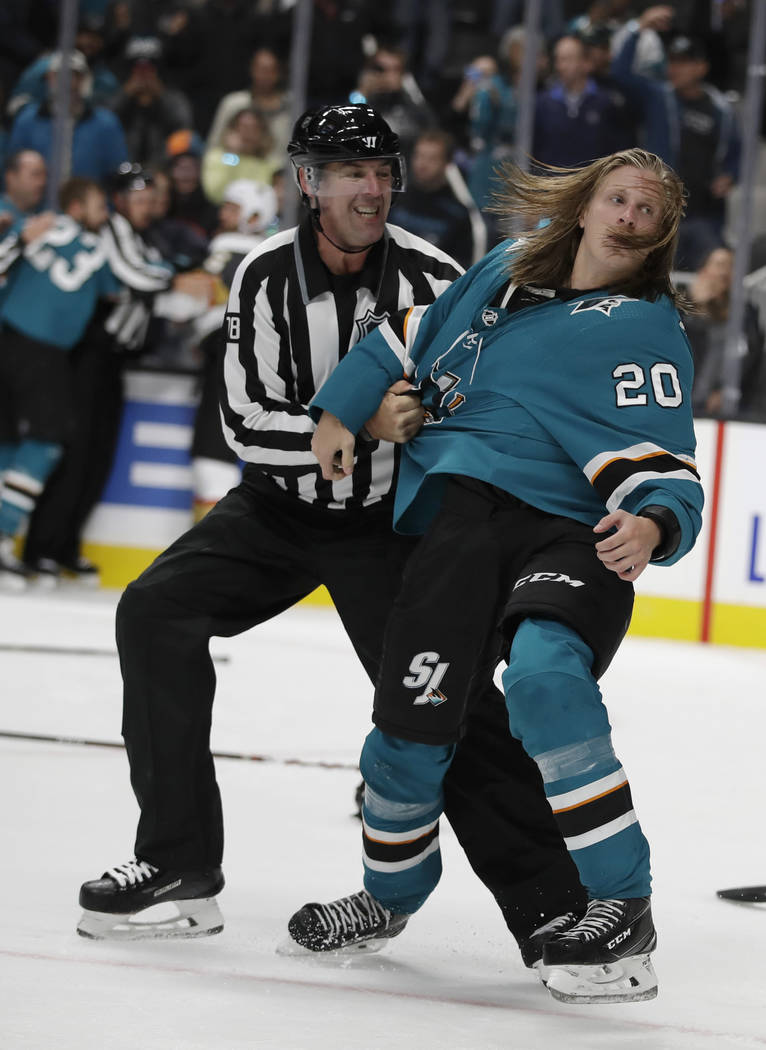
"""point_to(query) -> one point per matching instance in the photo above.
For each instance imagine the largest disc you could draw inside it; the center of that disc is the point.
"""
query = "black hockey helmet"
(349, 132)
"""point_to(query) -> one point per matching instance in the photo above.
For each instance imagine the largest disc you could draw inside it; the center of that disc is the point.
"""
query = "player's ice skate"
(353, 923)
(13, 575)
(137, 901)
(532, 948)
(605, 957)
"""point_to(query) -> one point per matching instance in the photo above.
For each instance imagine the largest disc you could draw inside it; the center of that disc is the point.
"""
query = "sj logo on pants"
(426, 672)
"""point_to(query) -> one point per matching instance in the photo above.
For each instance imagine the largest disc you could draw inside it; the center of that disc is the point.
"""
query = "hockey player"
(52, 550)
(59, 277)
(556, 461)
(298, 303)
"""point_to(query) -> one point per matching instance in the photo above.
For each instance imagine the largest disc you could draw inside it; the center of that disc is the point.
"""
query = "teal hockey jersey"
(578, 407)
(56, 283)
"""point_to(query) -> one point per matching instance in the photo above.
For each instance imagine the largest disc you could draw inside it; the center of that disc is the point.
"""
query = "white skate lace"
(599, 918)
(359, 912)
(561, 922)
(133, 873)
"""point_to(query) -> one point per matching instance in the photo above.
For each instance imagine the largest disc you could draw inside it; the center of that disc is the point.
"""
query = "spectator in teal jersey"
(25, 179)
(61, 274)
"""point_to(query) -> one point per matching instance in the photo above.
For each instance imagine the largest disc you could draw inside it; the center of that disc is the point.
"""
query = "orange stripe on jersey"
(404, 326)
(631, 459)
(587, 801)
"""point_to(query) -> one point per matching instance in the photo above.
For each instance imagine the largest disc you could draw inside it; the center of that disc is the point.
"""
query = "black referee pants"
(257, 553)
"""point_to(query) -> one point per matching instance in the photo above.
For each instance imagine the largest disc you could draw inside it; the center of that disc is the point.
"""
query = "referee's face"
(355, 198)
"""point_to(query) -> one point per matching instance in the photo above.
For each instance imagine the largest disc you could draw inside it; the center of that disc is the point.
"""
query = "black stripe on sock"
(595, 814)
(389, 852)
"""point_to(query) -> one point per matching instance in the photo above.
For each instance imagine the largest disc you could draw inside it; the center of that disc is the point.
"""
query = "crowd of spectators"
(190, 100)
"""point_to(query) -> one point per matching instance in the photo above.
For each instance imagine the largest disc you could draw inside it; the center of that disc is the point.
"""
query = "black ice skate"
(112, 903)
(532, 947)
(604, 958)
(355, 922)
(81, 570)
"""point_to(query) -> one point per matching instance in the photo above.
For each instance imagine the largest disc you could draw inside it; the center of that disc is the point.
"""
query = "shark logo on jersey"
(367, 323)
(604, 305)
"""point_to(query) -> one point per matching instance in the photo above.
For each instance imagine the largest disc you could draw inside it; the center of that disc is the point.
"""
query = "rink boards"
(716, 593)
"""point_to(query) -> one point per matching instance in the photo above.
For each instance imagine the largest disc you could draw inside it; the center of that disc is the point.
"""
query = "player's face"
(355, 198)
(94, 211)
(26, 184)
(629, 200)
(228, 217)
(139, 207)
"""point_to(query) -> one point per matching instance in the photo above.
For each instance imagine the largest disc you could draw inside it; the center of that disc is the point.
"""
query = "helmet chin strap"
(347, 251)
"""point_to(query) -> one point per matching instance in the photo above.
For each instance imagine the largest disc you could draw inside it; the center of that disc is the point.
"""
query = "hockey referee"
(298, 303)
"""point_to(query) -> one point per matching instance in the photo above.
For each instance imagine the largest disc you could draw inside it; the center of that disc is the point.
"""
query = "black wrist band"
(669, 528)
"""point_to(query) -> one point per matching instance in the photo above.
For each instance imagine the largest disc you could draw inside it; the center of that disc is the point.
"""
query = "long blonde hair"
(545, 256)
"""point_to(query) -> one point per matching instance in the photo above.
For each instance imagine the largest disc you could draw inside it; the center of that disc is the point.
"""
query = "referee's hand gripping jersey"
(299, 302)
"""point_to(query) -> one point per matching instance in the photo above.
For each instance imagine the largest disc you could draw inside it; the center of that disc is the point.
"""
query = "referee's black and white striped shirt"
(288, 323)
(143, 273)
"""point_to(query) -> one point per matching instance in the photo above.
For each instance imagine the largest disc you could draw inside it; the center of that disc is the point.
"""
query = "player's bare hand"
(627, 551)
(659, 17)
(399, 416)
(333, 445)
(36, 226)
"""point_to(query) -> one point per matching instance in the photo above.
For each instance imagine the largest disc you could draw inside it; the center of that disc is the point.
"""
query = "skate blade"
(195, 918)
(44, 583)
(88, 582)
(12, 583)
(290, 947)
(630, 980)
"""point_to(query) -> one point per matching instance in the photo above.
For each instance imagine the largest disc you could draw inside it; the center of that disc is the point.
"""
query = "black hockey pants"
(254, 555)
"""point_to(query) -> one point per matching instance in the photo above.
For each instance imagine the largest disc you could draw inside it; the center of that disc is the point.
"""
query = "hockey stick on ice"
(241, 756)
(748, 894)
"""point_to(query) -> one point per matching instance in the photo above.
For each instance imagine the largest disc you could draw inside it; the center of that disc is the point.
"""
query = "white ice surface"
(689, 724)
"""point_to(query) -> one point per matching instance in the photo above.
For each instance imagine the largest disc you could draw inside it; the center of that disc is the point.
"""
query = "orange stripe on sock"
(399, 842)
(603, 794)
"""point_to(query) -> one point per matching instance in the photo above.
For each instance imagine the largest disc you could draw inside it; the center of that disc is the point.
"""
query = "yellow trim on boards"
(653, 617)
(666, 618)
(739, 625)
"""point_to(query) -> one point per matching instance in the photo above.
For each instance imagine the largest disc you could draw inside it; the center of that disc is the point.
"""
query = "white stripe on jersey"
(635, 452)
(631, 483)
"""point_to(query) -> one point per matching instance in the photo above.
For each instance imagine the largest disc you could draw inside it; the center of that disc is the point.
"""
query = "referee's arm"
(262, 421)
